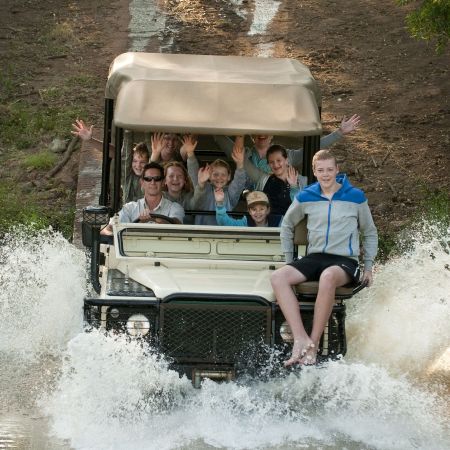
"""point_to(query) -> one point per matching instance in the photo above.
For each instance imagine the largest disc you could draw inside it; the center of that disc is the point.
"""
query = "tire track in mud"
(157, 27)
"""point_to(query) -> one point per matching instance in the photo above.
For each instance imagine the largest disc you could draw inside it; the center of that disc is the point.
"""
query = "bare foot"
(299, 351)
(309, 357)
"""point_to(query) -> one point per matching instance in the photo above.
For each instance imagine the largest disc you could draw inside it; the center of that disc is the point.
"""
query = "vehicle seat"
(308, 290)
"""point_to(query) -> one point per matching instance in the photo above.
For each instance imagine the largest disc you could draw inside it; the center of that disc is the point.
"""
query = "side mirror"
(94, 217)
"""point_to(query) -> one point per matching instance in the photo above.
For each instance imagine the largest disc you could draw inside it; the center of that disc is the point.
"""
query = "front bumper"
(222, 333)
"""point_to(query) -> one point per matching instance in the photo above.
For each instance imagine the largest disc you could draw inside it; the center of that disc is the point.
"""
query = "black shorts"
(312, 266)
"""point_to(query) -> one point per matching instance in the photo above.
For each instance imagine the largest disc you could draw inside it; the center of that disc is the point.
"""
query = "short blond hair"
(220, 163)
(323, 155)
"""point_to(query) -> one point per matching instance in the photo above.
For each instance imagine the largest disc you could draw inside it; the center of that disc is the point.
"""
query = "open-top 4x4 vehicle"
(202, 294)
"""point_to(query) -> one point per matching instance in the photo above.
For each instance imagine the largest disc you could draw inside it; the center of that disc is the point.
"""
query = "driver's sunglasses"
(149, 179)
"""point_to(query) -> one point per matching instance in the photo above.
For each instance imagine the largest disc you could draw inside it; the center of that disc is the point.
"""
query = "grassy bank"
(43, 90)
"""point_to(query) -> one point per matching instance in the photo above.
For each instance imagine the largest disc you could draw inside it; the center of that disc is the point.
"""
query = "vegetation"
(30, 211)
(42, 160)
(34, 110)
(430, 21)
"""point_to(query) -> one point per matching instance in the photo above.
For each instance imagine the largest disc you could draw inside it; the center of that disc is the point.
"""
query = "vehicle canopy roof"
(225, 95)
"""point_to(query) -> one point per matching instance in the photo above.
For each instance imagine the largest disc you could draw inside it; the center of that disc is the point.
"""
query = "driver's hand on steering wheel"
(145, 216)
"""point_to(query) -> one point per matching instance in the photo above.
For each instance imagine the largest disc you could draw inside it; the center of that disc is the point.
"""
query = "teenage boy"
(337, 212)
(258, 211)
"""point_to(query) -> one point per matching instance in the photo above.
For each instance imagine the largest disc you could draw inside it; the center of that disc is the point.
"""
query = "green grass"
(41, 161)
(23, 126)
(38, 103)
(33, 211)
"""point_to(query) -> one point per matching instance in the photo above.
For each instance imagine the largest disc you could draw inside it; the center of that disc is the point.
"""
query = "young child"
(177, 184)
(282, 184)
(258, 211)
(337, 212)
(215, 176)
(131, 182)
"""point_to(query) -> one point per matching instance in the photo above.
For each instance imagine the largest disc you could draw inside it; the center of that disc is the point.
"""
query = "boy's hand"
(350, 125)
(292, 175)
(238, 152)
(157, 141)
(219, 196)
(367, 277)
(81, 130)
(203, 175)
(188, 145)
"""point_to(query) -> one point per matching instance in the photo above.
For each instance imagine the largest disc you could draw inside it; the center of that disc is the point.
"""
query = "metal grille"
(212, 333)
(95, 215)
(333, 341)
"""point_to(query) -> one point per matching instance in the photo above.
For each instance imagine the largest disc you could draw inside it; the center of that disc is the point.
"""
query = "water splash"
(402, 322)
(113, 394)
(106, 392)
(43, 284)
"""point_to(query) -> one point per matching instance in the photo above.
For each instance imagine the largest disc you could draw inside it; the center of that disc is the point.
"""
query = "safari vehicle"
(201, 294)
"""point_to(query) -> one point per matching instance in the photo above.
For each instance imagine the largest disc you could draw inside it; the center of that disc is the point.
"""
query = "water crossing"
(94, 391)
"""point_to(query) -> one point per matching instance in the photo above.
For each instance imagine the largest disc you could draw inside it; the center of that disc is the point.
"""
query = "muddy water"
(63, 388)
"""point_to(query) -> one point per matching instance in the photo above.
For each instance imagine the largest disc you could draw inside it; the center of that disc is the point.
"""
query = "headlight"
(286, 333)
(138, 325)
(114, 313)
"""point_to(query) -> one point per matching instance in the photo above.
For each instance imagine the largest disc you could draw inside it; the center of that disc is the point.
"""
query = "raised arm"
(157, 146)
(193, 167)
(347, 126)
(200, 188)
(292, 179)
(81, 130)
(237, 185)
(188, 145)
(221, 213)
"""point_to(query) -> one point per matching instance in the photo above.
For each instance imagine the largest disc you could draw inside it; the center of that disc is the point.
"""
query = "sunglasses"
(156, 179)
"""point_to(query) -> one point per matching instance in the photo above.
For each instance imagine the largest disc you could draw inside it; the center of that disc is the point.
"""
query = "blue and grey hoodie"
(333, 225)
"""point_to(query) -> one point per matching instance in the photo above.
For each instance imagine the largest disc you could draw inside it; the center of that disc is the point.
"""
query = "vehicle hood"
(233, 280)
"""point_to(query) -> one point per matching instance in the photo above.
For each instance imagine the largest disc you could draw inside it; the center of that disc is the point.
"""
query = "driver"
(152, 179)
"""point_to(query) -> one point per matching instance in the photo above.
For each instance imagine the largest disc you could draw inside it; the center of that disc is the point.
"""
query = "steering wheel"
(166, 219)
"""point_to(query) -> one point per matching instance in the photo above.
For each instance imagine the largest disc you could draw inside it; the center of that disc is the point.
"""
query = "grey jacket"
(333, 225)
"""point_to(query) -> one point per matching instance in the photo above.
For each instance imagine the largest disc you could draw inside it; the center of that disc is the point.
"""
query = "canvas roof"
(203, 94)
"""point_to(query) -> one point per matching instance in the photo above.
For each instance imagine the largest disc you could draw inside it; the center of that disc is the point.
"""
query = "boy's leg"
(330, 279)
(282, 281)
